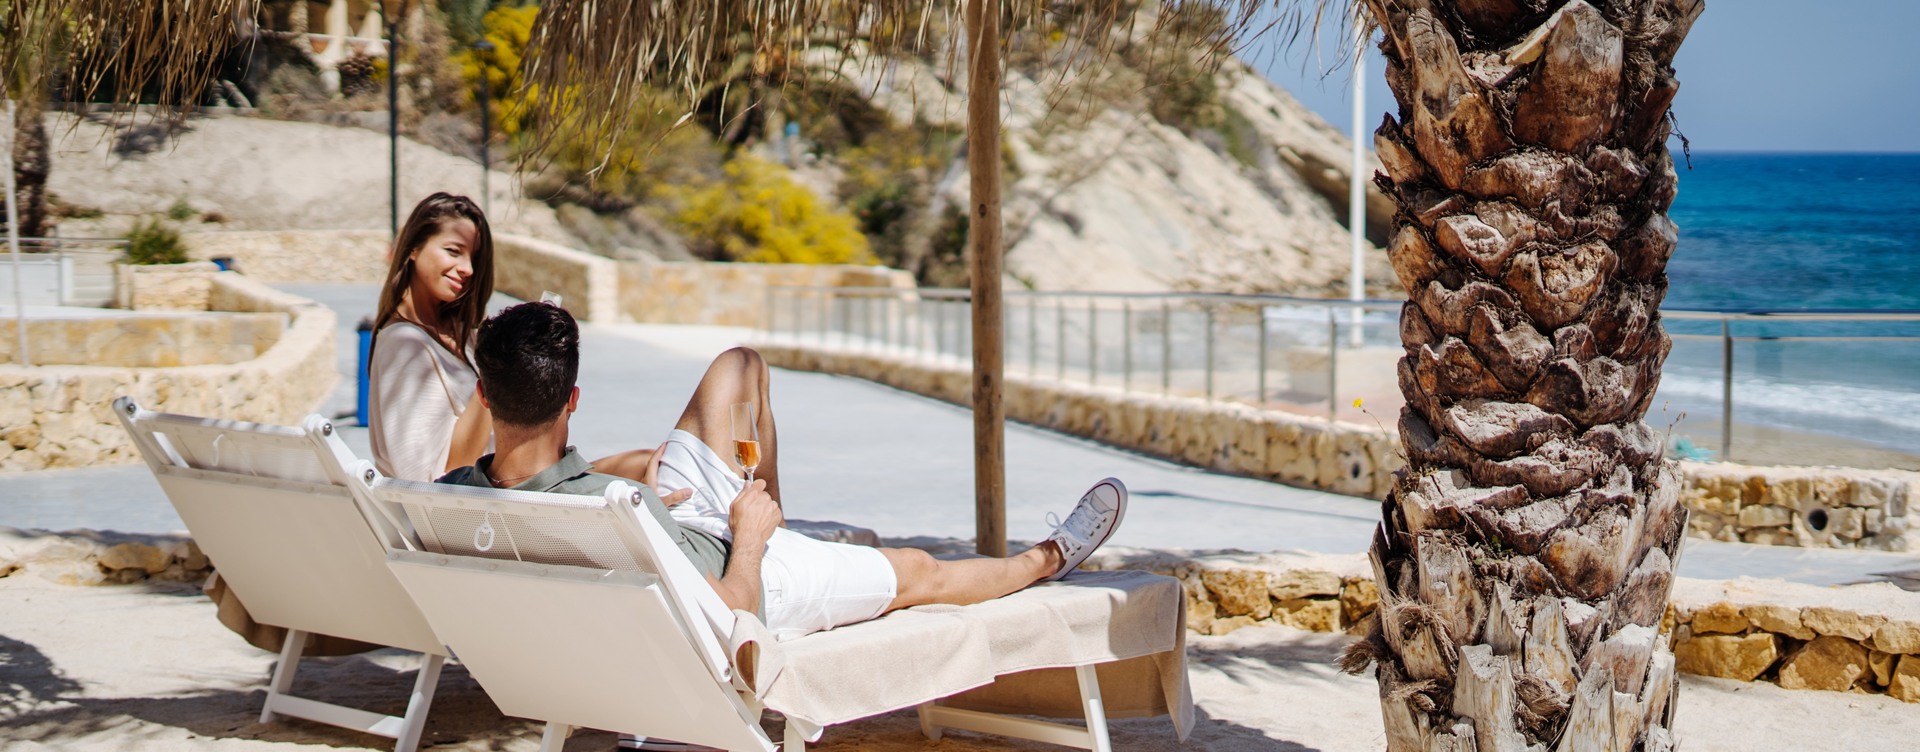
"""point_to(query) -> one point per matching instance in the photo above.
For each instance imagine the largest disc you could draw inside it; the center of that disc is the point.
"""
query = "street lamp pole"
(393, 127)
(485, 49)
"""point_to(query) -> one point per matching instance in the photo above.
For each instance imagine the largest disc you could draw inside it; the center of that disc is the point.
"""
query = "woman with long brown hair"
(423, 420)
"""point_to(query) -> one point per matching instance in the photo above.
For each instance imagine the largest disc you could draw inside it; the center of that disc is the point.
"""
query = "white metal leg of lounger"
(935, 717)
(555, 737)
(405, 730)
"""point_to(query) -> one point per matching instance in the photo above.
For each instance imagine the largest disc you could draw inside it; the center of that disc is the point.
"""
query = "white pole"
(1357, 191)
(13, 243)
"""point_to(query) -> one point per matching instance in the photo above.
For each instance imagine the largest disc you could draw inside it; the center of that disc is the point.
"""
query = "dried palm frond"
(119, 51)
(591, 62)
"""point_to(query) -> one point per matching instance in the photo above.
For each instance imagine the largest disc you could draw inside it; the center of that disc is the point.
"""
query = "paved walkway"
(899, 463)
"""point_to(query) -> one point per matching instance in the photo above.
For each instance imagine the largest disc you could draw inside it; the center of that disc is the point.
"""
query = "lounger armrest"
(756, 654)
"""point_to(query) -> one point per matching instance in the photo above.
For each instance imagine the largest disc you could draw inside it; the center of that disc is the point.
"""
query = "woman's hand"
(673, 497)
(470, 433)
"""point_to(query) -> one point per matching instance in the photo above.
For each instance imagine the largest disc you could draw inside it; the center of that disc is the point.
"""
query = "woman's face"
(443, 264)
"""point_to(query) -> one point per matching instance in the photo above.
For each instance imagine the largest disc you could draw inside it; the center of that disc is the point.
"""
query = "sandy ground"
(148, 668)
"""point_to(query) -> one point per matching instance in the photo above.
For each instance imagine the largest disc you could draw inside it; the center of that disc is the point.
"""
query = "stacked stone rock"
(101, 558)
(1862, 638)
(1831, 507)
(1230, 590)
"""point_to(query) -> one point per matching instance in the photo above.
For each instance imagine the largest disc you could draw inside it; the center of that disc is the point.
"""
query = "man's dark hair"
(528, 357)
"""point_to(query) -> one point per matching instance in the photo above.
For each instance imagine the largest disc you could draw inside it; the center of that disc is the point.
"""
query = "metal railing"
(1338, 358)
(63, 271)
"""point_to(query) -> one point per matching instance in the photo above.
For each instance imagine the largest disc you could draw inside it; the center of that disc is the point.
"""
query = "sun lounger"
(578, 611)
(275, 508)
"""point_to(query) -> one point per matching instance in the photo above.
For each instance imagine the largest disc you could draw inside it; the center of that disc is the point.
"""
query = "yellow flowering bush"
(510, 30)
(756, 214)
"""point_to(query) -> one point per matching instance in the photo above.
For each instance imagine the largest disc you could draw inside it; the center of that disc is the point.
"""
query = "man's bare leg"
(923, 579)
(737, 375)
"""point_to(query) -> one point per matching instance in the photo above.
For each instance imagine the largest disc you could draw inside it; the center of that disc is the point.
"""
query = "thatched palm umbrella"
(1525, 555)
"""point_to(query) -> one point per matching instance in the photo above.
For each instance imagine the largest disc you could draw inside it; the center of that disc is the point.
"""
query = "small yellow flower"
(1356, 402)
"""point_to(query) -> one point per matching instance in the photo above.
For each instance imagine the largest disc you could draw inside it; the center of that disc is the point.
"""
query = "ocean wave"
(1884, 416)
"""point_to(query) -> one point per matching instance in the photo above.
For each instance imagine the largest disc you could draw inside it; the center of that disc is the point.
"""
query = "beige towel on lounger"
(1015, 654)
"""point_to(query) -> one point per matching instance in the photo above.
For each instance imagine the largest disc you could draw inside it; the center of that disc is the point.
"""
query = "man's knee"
(914, 573)
(743, 358)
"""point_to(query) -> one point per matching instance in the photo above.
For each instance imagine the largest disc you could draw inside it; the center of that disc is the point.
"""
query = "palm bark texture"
(1527, 551)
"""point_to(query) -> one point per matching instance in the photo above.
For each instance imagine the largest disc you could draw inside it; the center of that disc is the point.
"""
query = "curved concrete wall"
(62, 416)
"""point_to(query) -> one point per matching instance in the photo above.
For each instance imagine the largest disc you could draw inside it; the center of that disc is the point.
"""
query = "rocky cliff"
(1108, 198)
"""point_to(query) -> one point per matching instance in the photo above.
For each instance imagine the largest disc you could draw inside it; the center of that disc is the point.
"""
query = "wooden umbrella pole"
(983, 241)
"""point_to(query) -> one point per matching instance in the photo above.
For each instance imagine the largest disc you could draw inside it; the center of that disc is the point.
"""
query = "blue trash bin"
(365, 329)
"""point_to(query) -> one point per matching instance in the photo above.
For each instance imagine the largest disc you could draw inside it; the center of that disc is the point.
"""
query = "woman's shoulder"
(402, 329)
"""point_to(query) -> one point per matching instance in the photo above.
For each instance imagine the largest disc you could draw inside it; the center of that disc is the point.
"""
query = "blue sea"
(1798, 232)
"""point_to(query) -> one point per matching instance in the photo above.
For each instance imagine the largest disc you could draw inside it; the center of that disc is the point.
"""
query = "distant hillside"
(1145, 174)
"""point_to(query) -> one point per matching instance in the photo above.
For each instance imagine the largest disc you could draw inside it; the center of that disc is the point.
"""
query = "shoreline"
(1755, 444)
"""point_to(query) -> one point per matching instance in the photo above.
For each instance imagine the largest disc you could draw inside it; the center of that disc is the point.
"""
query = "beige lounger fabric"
(1132, 623)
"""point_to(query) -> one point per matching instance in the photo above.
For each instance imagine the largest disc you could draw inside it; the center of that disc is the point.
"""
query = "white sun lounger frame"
(644, 643)
(279, 511)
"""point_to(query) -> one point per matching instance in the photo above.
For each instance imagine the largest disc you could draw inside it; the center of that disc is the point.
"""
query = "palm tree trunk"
(1527, 551)
(31, 162)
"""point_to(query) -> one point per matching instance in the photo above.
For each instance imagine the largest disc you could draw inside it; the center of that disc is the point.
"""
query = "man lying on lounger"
(528, 357)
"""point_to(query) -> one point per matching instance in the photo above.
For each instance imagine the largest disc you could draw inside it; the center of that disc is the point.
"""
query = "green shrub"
(888, 184)
(180, 211)
(152, 242)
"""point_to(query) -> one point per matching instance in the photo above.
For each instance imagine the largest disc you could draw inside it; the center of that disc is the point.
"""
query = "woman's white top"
(418, 389)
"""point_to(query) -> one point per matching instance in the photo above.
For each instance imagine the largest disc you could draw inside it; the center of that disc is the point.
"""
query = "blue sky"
(1755, 75)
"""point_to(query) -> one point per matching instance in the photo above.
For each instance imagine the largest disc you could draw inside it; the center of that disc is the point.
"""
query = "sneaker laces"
(1078, 527)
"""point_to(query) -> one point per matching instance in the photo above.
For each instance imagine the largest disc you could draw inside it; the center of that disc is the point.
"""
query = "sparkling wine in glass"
(746, 437)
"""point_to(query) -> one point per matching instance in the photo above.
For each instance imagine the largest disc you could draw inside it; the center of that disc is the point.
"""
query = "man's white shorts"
(809, 584)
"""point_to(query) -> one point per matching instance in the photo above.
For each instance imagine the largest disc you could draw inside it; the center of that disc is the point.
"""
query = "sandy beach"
(146, 667)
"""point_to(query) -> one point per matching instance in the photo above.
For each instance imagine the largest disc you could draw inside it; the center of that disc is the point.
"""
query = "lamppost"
(485, 48)
(393, 117)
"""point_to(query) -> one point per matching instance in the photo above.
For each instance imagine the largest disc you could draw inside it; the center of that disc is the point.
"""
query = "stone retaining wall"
(1795, 506)
(297, 255)
(146, 341)
(693, 292)
(589, 285)
(164, 287)
(1861, 637)
(1858, 638)
(1801, 506)
(1297, 450)
(599, 289)
(62, 415)
(595, 288)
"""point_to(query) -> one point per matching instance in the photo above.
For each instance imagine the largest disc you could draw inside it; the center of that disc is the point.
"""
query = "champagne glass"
(746, 437)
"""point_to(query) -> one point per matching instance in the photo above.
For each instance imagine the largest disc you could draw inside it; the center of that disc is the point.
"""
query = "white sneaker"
(1090, 524)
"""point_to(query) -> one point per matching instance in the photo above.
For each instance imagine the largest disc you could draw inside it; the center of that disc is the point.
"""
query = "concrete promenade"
(877, 457)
